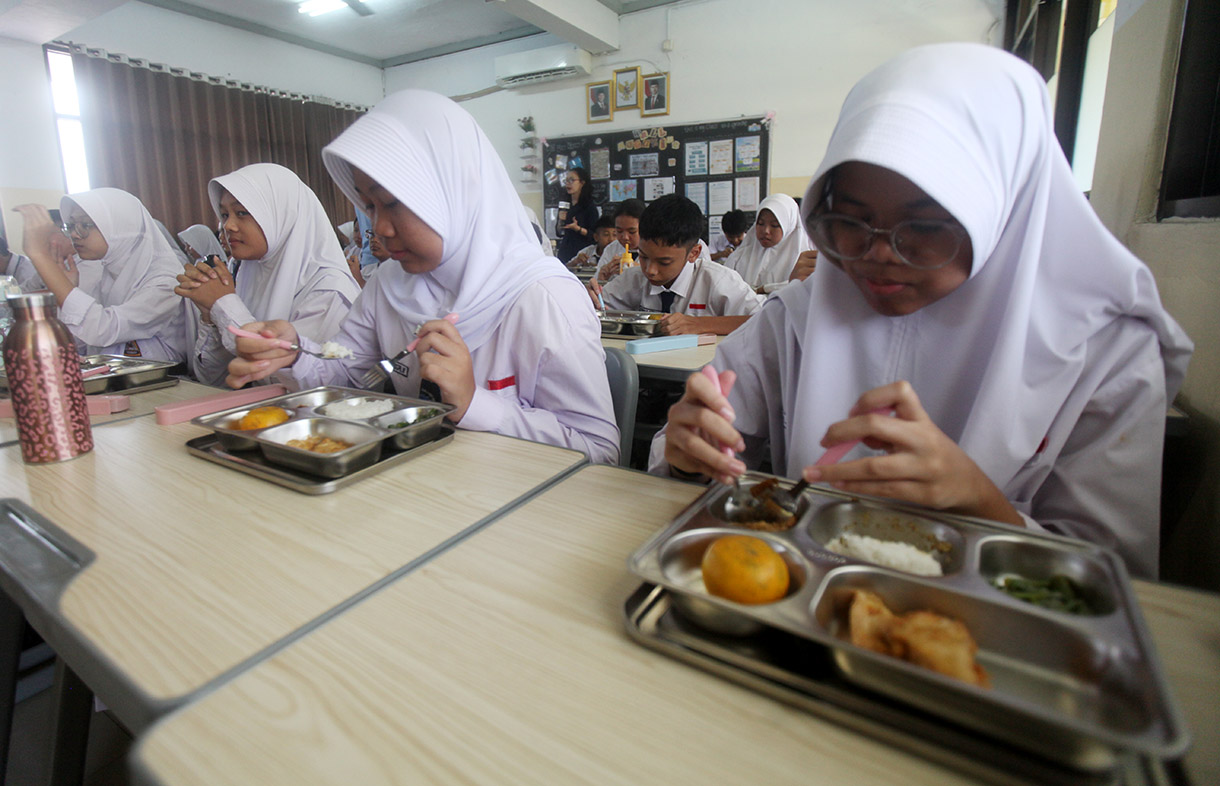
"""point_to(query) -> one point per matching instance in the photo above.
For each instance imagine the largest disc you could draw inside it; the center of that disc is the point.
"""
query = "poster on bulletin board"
(720, 165)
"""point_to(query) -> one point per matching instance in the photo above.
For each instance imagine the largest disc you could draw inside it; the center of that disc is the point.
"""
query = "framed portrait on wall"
(627, 88)
(655, 95)
(599, 106)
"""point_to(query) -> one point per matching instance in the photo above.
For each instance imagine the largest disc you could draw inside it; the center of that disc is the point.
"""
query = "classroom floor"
(29, 748)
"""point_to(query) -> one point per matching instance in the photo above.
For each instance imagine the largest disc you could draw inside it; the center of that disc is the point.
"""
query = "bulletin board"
(720, 165)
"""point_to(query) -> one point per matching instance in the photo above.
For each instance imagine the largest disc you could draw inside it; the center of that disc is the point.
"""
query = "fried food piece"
(938, 643)
(925, 638)
(868, 621)
(319, 444)
(771, 517)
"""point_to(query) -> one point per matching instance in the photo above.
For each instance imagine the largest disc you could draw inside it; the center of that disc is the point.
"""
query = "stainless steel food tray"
(802, 673)
(318, 411)
(1075, 689)
(251, 463)
(639, 323)
(125, 375)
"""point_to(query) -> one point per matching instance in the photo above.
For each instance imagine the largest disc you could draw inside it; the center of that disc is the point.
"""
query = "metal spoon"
(788, 499)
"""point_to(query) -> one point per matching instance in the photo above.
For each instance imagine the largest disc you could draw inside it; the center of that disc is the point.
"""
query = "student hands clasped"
(203, 284)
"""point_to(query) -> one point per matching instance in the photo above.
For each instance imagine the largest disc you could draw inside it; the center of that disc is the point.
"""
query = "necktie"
(667, 300)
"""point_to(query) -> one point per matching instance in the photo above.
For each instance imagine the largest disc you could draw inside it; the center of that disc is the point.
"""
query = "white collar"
(680, 285)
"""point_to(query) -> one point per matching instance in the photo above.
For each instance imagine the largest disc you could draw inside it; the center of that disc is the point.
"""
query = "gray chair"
(625, 391)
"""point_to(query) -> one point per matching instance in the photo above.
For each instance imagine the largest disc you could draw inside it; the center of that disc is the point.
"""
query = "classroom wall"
(796, 58)
(1183, 253)
(29, 151)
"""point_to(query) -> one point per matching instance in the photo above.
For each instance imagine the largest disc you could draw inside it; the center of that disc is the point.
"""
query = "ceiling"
(395, 32)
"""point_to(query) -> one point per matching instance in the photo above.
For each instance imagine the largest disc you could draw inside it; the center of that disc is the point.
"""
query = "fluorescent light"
(319, 7)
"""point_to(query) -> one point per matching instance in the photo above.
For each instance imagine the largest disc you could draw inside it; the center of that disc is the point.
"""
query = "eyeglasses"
(926, 244)
(80, 229)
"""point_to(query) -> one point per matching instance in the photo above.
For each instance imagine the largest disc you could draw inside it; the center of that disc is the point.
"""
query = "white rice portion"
(891, 554)
(333, 349)
(357, 408)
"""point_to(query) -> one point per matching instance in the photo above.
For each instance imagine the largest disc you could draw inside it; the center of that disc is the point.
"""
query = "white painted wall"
(797, 58)
(29, 153)
(1183, 254)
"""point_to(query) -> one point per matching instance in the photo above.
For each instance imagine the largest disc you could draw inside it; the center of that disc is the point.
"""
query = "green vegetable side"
(1058, 593)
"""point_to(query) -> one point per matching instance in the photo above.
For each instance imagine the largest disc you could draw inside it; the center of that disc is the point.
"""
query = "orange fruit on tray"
(261, 417)
(744, 569)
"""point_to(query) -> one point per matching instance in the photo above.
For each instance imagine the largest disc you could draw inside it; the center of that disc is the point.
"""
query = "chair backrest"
(625, 391)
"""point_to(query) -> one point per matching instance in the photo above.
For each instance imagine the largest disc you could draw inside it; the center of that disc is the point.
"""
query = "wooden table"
(141, 404)
(191, 571)
(505, 660)
(672, 365)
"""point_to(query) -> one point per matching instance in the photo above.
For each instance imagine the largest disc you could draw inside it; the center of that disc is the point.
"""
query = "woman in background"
(581, 218)
(201, 243)
(127, 305)
(292, 266)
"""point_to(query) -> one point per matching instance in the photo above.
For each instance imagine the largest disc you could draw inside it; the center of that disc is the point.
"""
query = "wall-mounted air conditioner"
(542, 65)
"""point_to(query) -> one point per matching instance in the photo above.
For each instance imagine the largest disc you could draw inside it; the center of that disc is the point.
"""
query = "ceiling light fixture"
(319, 7)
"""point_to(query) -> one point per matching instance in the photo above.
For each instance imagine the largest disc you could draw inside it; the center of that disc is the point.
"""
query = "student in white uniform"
(292, 266)
(125, 304)
(733, 226)
(769, 253)
(19, 267)
(200, 243)
(696, 294)
(603, 236)
(524, 357)
(626, 236)
(973, 289)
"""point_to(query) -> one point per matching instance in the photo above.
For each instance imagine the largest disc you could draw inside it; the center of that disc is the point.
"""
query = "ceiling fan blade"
(359, 7)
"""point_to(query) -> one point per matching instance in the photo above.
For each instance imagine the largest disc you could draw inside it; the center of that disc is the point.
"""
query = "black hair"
(633, 208)
(734, 222)
(604, 221)
(586, 193)
(672, 220)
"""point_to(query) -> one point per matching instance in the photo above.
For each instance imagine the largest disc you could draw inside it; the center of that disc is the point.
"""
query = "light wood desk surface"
(674, 365)
(505, 660)
(141, 404)
(199, 568)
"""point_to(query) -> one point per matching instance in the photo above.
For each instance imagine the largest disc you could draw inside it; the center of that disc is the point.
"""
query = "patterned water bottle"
(43, 371)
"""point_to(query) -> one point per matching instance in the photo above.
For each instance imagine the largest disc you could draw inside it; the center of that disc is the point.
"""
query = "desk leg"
(12, 628)
(73, 711)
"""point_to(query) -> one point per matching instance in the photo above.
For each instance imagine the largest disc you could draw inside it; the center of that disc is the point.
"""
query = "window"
(67, 120)
(1190, 184)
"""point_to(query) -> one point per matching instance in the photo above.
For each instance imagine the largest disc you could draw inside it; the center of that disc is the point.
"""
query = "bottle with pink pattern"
(43, 371)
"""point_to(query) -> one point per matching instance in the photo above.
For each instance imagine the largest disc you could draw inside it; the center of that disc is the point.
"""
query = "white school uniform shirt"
(761, 266)
(303, 278)
(704, 289)
(535, 345)
(127, 295)
(590, 252)
(1050, 366)
(534, 376)
(614, 251)
(23, 272)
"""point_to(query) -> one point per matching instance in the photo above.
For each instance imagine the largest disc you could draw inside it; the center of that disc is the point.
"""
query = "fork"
(380, 371)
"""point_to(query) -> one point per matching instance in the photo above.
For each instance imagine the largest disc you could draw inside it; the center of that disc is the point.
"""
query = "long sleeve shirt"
(704, 289)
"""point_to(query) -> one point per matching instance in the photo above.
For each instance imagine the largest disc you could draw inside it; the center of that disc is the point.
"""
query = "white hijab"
(138, 252)
(431, 154)
(758, 265)
(203, 241)
(303, 254)
(994, 361)
(543, 241)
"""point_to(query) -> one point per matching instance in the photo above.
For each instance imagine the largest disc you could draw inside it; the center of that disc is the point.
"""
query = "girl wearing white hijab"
(765, 258)
(524, 357)
(201, 243)
(125, 305)
(293, 267)
(971, 288)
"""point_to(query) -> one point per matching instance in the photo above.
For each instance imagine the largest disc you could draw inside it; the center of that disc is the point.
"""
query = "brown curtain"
(163, 137)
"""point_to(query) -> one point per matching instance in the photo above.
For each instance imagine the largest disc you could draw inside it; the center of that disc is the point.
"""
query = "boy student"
(603, 235)
(626, 236)
(733, 226)
(695, 295)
